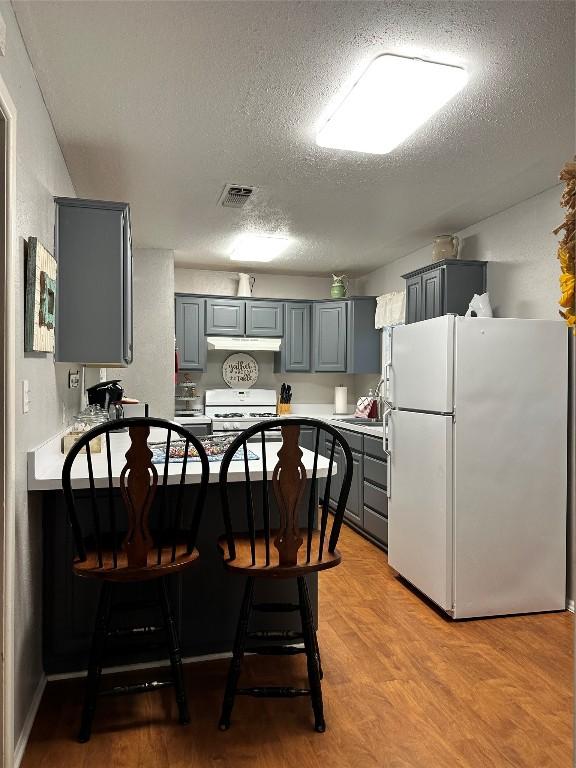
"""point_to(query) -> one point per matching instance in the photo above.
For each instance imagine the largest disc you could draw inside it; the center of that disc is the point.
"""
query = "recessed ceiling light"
(390, 100)
(252, 247)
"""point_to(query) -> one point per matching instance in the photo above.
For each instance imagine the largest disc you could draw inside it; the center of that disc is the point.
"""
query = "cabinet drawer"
(376, 498)
(374, 446)
(354, 439)
(375, 471)
(376, 525)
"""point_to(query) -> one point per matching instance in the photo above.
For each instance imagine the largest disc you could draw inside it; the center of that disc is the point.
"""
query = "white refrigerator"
(477, 439)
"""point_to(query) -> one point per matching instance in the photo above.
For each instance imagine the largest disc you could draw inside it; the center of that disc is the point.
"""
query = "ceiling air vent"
(235, 196)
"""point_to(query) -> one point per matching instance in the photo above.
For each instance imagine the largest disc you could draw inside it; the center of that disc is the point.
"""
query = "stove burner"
(262, 414)
(229, 415)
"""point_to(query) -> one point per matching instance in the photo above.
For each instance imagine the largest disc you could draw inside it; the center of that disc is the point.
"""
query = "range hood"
(243, 344)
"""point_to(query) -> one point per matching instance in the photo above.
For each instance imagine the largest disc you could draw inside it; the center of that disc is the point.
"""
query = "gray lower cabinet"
(225, 317)
(198, 430)
(93, 248)
(367, 506)
(190, 336)
(295, 351)
(330, 336)
(264, 318)
(445, 287)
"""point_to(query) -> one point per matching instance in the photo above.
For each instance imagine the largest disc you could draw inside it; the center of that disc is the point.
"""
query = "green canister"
(339, 286)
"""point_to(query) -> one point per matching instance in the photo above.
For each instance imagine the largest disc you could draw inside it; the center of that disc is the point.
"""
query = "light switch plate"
(2, 37)
(25, 396)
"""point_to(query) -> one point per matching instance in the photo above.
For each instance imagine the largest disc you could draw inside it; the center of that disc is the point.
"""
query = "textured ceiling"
(162, 103)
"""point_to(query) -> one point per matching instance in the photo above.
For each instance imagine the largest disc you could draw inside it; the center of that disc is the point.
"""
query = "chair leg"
(317, 651)
(95, 662)
(312, 658)
(174, 651)
(238, 655)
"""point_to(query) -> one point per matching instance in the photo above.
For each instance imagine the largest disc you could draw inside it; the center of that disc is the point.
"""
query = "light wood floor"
(403, 688)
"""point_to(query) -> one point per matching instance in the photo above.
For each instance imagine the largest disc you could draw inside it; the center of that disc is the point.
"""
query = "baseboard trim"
(143, 665)
(29, 722)
(570, 606)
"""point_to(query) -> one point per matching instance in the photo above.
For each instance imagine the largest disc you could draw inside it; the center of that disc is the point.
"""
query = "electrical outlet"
(102, 374)
(25, 396)
(73, 380)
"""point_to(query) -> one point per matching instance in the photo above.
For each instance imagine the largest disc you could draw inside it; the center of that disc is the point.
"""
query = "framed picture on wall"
(39, 311)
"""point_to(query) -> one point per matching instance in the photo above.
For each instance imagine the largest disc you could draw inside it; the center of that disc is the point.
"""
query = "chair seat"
(242, 563)
(90, 567)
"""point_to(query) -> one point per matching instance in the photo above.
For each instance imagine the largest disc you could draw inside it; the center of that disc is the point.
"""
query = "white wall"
(40, 175)
(519, 244)
(150, 378)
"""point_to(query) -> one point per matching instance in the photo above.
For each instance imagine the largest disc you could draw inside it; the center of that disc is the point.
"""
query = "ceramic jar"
(445, 247)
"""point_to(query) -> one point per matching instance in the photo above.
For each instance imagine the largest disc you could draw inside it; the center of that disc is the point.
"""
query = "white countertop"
(316, 411)
(46, 461)
(185, 419)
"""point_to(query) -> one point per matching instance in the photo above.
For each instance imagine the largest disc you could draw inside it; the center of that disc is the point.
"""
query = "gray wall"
(40, 174)
(150, 378)
(266, 286)
(306, 388)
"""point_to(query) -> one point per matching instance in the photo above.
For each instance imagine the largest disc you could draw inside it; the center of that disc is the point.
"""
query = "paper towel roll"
(340, 399)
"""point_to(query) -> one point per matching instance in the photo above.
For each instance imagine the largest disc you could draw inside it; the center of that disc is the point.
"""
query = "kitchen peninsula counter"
(206, 598)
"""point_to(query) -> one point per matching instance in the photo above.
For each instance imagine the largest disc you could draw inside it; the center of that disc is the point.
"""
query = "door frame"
(8, 448)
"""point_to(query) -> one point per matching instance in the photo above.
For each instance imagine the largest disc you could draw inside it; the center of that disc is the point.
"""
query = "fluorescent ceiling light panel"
(391, 99)
(252, 247)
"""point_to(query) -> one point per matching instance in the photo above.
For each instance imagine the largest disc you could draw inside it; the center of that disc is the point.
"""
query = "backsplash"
(306, 388)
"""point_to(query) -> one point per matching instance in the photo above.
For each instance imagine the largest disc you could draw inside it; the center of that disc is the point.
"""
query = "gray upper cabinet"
(442, 288)
(432, 294)
(295, 352)
(225, 317)
(345, 339)
(190, 336)
(93, 248)
(363, 340)
(264, 318)
(330, 336)
(413, 300)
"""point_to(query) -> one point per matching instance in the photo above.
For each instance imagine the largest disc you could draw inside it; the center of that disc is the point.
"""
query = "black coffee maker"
(106, 394)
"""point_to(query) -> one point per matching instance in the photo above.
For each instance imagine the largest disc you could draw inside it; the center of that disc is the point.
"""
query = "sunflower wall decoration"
(567, 246)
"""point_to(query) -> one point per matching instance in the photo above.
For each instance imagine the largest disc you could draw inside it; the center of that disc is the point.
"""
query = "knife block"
(283, 409)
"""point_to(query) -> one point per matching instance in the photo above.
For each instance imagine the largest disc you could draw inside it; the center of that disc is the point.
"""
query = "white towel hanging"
(389, 309)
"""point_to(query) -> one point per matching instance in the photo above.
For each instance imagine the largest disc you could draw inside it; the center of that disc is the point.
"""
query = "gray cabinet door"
(354, 509)
(94, 297)
(190, 336)
(431, 294)
(225, 317)
(414, 299)
(330, 336)
(264, 318)
(295, 351)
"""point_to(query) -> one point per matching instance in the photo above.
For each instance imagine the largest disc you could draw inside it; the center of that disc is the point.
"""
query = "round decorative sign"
(240, 370)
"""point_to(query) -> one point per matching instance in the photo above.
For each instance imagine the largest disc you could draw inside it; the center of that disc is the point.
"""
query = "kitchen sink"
(357, 420)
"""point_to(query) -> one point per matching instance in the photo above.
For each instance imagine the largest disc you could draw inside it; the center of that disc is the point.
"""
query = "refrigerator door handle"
(386, 440)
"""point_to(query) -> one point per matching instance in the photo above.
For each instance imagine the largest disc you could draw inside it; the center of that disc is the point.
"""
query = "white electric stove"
(234, 410)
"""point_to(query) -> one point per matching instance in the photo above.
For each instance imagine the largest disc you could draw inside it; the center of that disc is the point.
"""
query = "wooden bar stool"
(143, 537)
(291, 556)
